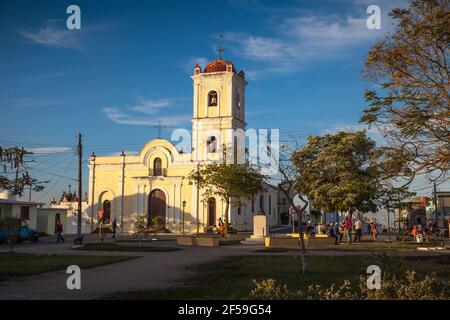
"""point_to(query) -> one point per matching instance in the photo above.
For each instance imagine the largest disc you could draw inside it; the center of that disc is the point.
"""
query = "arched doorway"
(211, 211)
(156, 205)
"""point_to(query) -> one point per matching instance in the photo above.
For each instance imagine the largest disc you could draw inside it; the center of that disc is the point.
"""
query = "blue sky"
(130, 64)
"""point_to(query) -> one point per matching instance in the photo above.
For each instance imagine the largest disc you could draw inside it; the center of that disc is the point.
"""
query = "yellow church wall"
(129, 180)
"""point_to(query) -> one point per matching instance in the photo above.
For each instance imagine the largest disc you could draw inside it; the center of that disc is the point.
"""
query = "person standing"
(114, 228)
(358, 230)
(348, 228)
(341, 230)
(59, 230)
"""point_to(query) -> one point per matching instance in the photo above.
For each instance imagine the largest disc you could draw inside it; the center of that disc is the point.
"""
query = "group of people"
(418, 231)
(352, 231)
(60, 228)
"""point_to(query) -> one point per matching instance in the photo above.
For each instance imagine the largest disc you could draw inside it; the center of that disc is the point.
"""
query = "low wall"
(207, 241)
(282, 242)
(186, 240)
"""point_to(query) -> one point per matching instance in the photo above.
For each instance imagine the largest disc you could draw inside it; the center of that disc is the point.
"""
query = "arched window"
(213, 99)
(106, 211)
(157, 167)
(211, 144)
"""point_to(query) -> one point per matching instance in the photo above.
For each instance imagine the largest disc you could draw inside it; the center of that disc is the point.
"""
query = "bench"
(186, 240)
(282, 242)
(318, 242)
(207, 241)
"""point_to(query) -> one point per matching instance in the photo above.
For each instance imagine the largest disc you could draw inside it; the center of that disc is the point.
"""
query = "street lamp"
(184, 205)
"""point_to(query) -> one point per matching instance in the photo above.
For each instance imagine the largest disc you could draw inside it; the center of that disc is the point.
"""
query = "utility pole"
(435, 204)
(399, 215)
(80, 157)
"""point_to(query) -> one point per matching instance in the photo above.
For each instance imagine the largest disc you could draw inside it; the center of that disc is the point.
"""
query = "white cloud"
(146, 112)
(54, 34)
(46, 150)
(149, 106)
(127, 153)
(300, 40)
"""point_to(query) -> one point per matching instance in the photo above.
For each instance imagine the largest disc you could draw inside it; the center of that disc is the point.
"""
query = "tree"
(411, 108)
(228, 181)
(338, 172)
(14, 173)
(391, 197)
(11, 226)
(140, 227)
(289, 176)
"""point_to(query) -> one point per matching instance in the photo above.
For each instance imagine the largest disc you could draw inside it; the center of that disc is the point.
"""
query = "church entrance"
(212, 212)
(157, 206)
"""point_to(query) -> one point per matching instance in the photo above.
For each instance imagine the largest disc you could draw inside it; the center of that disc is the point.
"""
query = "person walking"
(59, 230)
(373, 230)
(358, 230)
(348, 229)
(114, 228)
(336, 233)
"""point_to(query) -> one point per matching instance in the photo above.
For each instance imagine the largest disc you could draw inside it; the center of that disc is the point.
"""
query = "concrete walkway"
(152, 270)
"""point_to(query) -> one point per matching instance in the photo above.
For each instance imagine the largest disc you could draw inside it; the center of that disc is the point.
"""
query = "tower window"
(212, 99)
(157, 167)
(211, 144)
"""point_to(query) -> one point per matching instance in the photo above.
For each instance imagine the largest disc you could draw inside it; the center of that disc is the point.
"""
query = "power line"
(57, 180)
(56, 175)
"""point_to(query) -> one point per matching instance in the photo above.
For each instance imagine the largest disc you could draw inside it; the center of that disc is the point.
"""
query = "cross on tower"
(160, 126)
(220, 50)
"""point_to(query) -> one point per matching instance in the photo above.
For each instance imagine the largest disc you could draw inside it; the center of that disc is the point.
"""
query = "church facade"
(154, 182)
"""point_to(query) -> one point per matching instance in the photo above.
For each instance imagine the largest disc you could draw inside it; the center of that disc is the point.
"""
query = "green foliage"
(228, 181)
(158, 222)
(392, 197)
(12, 226)
(411, 109)
(14, 173)
(339, 171)
(140, 227)
(140, 224)
(406, 287)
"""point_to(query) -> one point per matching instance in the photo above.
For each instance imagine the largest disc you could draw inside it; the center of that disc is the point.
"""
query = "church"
(154, 182)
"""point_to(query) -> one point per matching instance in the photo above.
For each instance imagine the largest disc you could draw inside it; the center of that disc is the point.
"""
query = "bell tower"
(218, 106)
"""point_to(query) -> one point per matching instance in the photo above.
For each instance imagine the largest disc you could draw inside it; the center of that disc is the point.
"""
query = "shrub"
(406, 287)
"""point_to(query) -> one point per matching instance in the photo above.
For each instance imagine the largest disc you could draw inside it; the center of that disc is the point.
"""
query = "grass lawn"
(232, 277)
(108, 246)
(21, 264)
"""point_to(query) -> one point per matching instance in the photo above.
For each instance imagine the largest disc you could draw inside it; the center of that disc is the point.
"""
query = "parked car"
(25, 233)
